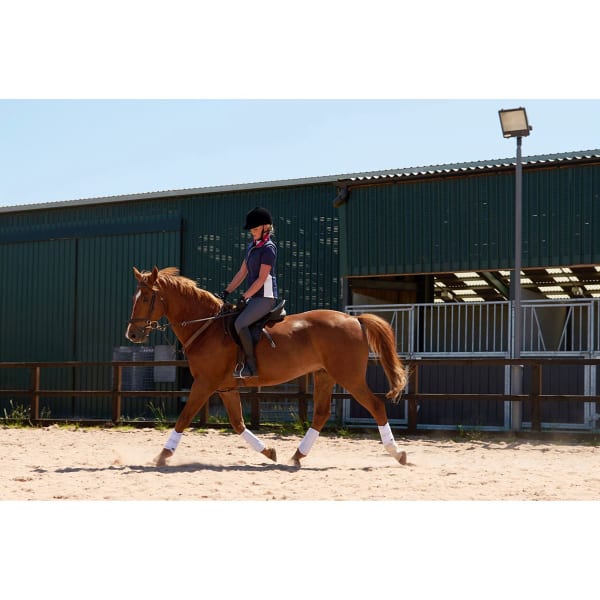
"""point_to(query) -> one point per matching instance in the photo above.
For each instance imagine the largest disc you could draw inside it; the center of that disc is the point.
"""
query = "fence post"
(255, 411)
(536, 391)
(303, 402)
(413, 386)
(205, 411)
(34, 413)
(116, 393)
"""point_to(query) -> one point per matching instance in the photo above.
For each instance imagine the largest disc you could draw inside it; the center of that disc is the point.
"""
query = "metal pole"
(516, 371)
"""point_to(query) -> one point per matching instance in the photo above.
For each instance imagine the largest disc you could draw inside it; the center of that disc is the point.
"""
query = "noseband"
(148, 323)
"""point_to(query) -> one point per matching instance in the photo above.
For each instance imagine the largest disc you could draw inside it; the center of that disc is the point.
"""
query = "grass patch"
(17, 416)
(159, 415)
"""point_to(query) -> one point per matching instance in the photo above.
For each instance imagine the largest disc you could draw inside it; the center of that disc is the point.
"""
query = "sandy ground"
(56, 463)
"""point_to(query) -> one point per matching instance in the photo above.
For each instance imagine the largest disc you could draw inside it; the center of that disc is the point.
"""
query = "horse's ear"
(153, 276)
(137, 274)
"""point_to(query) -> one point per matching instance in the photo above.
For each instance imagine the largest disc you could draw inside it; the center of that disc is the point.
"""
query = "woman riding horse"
(258, 269)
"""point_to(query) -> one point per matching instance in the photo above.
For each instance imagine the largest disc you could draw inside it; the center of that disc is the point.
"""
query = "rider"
(258, 268)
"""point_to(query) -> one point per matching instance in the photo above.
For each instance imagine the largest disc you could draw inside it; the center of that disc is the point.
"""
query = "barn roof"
(347, 178)
(470, 167)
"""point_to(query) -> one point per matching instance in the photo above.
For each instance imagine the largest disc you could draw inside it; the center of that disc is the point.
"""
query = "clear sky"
(124, 97)
(67, 149)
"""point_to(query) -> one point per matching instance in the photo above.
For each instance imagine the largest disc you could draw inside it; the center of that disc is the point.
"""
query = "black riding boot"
(249, 369)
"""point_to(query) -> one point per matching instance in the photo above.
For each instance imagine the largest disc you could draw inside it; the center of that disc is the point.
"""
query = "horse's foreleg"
(233, 406)
(197, 398)
(323, 386)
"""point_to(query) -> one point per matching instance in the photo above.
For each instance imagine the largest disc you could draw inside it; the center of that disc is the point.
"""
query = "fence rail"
(117, 393)
(303, 394)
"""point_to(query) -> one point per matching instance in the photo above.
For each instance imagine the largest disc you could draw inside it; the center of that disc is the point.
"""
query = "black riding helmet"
(258, 216)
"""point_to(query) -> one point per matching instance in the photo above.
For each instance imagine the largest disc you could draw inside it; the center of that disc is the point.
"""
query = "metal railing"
(550, 327)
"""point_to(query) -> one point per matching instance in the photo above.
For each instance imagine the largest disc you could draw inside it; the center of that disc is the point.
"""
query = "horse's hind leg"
(233, 405)
(323, 385)
(352, 378)
(376, 407)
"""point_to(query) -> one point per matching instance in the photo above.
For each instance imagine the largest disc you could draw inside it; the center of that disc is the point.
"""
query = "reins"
(218, 316)
(198, 332)
(156, 326)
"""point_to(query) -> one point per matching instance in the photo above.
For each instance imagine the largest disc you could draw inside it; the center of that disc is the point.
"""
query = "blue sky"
(53, 150)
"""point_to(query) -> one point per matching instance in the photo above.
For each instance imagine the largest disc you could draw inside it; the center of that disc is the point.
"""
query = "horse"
(332, 345)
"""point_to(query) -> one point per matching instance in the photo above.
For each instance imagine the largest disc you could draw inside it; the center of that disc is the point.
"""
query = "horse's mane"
(170, 277)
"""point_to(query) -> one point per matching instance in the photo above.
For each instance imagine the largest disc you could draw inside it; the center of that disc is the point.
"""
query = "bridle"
(148, 323)
(151, 325)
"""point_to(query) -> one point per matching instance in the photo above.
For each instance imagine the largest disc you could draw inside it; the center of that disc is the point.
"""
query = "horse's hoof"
(394, 452)
(295, 460)
(161, 459)
(270, 453)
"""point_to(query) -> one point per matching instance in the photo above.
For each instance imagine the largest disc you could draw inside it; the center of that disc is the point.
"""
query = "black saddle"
(257, 328)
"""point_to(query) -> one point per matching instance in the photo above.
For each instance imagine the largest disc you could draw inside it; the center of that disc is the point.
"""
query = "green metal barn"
(67, 267)
(460, 218)
(394, 238)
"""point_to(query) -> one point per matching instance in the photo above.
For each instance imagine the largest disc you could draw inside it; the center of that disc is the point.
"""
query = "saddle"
(258, 328)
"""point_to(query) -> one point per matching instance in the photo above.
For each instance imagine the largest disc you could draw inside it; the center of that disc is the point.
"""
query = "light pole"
(514, 124)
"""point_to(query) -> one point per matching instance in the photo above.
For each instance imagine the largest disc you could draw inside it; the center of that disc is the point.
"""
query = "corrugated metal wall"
(306, 232)
(563, 210)
(432, 225)
(37, 300)
(69, 299)
(466, 223)
(105, 284)
(37, 305)
(67, 279)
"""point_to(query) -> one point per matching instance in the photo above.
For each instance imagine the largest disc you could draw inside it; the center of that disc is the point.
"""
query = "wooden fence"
(119, 395)
(303, 394)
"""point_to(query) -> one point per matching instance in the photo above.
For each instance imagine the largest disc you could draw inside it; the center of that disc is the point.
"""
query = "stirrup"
(243, 371)
(237, 370)
(246, 371)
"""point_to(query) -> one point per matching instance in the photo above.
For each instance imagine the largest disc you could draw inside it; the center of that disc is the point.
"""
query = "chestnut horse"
(332, 345)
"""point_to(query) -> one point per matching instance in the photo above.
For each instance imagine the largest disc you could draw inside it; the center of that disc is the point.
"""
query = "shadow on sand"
(189, 468)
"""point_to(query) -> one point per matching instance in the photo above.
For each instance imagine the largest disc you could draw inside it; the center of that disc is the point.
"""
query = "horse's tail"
(380, 337)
